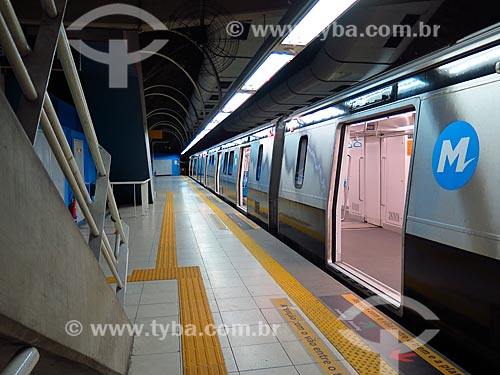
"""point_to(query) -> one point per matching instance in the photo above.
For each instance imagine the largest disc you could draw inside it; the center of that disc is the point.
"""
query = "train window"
(224, 170)
(259, 162)
(231, 163)
(301, 162)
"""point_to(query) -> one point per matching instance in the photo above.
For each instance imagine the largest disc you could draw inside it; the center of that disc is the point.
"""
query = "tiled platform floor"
(239, 290)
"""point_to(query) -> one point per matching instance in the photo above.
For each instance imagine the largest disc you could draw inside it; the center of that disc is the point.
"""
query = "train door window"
(217, 172)
(259, 163)
(371, 198)
(226, 158)
(230, 163)
(243, 177)
(301, 162)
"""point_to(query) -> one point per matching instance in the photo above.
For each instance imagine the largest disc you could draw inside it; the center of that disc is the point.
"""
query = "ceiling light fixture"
(236, 101)
(321, 15)
(317, 19)
(271, 65)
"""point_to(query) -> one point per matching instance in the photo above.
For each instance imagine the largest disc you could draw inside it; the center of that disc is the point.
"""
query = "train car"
(391, 187)
(239, 171)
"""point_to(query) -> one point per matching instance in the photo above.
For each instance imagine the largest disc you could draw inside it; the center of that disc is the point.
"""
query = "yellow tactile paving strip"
(201, 353)
(427, 354)
(347, 342)
(167, 254)
(323, 356)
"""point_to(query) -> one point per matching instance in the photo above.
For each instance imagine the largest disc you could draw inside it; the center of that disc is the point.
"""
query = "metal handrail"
(61, 137)
(13, 24)
(14, 44)
(143, 192)
(23, 363)
(75, 86)
(16, 61)
(50, 8)
(66, 169)
(110, 259)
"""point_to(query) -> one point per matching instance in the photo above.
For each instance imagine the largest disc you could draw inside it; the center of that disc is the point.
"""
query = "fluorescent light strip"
(312, 24)
(316, 20)
(236, 101)
(273, 63)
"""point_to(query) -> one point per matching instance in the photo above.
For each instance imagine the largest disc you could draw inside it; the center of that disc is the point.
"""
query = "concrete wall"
(48, 275)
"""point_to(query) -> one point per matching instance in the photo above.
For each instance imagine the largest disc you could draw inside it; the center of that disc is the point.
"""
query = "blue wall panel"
(176, 162)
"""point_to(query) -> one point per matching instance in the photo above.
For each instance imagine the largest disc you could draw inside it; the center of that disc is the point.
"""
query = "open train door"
(366, 221)
(243, 177)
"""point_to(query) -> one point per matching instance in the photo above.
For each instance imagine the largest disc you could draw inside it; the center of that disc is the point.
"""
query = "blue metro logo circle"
(455, 155)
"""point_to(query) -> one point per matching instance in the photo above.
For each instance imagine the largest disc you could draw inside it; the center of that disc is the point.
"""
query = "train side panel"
(303, 199)
(452, 240)
(259, 175)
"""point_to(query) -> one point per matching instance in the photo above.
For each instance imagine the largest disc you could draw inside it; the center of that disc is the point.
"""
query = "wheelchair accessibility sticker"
(455, 156)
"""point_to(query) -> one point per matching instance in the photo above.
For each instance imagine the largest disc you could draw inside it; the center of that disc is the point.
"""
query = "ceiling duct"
(340, 62)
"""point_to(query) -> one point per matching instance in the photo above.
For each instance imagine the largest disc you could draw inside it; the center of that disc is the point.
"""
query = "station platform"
(210, 292)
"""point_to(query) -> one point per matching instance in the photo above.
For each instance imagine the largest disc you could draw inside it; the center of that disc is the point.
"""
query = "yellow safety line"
(349, 344)
(249, 222)
(201, 353)
(322, 355)
(427, 354)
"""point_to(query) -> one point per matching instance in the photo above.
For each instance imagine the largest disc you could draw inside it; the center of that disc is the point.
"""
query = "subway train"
(392, 187)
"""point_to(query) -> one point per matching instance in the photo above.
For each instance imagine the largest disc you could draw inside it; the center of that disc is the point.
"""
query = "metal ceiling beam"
(160, 142)
(166, 123)
(171, 98)
(190, 125)
(176, 90)
(207, 56)
(183, 126)
(195, 85)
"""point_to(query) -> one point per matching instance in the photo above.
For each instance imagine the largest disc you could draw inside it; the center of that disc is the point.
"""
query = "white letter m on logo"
(451, 154)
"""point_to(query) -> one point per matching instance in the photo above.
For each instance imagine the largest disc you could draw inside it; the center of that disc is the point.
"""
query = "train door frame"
(240, 177)
(205, 162)
(332, 230)
(217, 172)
